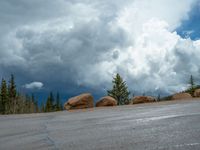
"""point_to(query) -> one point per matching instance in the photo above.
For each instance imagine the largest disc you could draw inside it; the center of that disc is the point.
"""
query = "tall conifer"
(4, 106)
(12, 94)
(119, 91)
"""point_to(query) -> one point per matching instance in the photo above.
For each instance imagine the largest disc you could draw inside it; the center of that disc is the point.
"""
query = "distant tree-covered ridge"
(13, 102)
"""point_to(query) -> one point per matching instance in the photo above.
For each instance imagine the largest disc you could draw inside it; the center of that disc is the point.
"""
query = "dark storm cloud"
(67, 52)
(55, 42)
(75, 45)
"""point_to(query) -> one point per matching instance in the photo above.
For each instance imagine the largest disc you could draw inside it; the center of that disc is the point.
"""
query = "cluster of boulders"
(87, 101)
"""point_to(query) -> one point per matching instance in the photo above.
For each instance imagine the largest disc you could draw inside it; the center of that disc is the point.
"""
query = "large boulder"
(80, 102)
(181, 96)
(106, 101)
(142, 99)
(197, 93)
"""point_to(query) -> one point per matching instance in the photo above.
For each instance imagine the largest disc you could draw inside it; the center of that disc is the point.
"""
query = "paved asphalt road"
(160, 126)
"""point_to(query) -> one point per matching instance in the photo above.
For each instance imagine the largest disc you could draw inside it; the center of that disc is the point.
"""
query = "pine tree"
(4, 106)
(19, 102)
(12, 94)
(49, 103)
(1, 105)
(52, 102)
(27, 104)
(22, 103)
(119, 91)
(36, 106)
(32, 107)
(58, 106)
(192, 85)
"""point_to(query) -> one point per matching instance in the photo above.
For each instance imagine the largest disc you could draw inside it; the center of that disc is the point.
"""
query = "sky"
(77, 46)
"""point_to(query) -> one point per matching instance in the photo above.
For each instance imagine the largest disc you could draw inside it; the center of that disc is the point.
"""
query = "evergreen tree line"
(13, 102)
(52, 104)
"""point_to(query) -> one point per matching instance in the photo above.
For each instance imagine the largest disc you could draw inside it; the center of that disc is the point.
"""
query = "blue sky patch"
(191, 27)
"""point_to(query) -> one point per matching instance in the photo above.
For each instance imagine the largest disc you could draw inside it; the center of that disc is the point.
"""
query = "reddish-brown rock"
(106, 101)
(80, 102)
(142, 99)
(181, 96)
(197, 93)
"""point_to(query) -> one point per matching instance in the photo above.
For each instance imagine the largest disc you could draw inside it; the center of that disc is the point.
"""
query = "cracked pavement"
(161, 126)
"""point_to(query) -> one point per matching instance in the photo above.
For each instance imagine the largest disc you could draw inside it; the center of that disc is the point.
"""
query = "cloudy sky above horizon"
(76, 46)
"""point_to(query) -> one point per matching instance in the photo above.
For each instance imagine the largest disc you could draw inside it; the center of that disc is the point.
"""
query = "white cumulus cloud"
(34, 85)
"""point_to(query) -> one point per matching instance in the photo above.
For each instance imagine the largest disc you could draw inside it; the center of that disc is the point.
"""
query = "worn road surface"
(160, 126)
